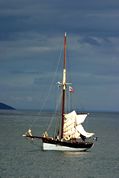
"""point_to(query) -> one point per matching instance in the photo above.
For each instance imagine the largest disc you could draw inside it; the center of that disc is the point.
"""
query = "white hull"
(56, 147)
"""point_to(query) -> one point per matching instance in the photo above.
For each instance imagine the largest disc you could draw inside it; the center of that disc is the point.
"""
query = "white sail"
(80, 118)
(71, 115)
(72, 126)
(81, 130)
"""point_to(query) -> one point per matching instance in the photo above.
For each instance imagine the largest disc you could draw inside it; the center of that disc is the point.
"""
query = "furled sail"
(72, 126)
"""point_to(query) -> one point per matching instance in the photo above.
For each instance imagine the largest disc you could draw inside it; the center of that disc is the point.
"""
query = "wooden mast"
(63, 87)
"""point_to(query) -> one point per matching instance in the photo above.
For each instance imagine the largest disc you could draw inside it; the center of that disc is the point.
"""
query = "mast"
(63, 87)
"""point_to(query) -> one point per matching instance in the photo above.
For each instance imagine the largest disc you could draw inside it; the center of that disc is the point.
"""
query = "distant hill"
(6, 107)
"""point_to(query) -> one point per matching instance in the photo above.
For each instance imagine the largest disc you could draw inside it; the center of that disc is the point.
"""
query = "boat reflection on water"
(75, 154)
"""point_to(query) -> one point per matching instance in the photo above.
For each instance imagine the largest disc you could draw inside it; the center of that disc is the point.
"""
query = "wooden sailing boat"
(71, 136)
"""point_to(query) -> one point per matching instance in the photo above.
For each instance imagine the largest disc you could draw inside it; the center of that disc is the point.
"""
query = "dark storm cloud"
(87, 17)
(31, 30)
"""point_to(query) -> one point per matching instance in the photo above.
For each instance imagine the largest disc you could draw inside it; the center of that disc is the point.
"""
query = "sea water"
(20, 158)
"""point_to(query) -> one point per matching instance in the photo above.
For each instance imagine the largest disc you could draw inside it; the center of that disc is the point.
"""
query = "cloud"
(27, 16)
(31, 42)
(95, 41)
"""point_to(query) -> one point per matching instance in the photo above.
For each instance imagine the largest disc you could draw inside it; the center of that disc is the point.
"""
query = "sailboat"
(71, 135)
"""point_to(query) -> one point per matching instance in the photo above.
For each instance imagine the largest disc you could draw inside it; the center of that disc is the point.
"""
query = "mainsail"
(73, 126)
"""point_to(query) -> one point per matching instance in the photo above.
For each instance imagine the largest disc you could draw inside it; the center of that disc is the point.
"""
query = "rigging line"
(55, 115)
(51, 86)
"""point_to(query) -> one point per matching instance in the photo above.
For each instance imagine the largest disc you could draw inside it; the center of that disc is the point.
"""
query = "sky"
(31, 44)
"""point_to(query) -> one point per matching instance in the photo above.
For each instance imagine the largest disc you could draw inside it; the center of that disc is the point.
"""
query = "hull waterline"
(56, 147)
(48, 143)
(65, 146)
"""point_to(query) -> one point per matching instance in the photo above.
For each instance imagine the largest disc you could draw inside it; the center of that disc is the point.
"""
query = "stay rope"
(48, 93)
